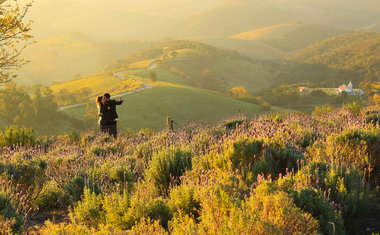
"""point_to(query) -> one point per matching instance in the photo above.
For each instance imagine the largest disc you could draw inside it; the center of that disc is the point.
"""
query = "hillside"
(69, 56)
(201, 65)
(252, 48)
(272, 174)
(372, 27)
(149, 108)
(356, 51)
(291, 36)
(89, 87)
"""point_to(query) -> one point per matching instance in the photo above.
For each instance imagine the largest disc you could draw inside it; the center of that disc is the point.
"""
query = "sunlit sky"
(152, 19)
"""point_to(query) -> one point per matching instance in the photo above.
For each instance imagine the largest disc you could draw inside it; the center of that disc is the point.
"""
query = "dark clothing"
(111, 111)
(102, 113)
(108, 116)
(112, 130)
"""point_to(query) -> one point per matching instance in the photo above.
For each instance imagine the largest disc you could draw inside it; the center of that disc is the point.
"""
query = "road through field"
(118, 75)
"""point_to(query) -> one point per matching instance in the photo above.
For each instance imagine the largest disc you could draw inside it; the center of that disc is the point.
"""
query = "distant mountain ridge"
(238, 16)
(291, 36)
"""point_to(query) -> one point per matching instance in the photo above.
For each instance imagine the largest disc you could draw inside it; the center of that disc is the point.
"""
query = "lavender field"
(275, 174)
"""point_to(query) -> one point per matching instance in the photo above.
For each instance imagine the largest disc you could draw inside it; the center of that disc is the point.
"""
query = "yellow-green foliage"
(89, 210)
(14, 135)
(63, 228)
(148, 226)
(166, 167)
(99, 84)
(183, 200)
(141, 64)
(265, 211)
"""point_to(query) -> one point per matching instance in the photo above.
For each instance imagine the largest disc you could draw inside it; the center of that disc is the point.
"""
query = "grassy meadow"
(149, 108)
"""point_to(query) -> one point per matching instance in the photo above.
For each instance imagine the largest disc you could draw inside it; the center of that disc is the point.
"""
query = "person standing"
(101, 105)
(111, 114)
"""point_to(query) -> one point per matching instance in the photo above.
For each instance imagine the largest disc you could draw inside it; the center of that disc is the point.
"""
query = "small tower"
(350, 85)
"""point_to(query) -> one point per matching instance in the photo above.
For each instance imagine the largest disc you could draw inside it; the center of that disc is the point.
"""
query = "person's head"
(104, 100)
(99, 100)
(107, 96)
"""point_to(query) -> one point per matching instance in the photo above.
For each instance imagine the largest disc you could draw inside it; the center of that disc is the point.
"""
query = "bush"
(26, 178)
(373, 118)
(232, 124)
(358, 147)
(14, 135)
(10, 221)
(265, 211)
(342, 187)
(265, 106)
(148, 226)
(52, 198)
(244, 153)
(166, 167)
(354, 107)
(63, 228)
(275, 212)
(277, 161)
(74, 189)
(159, 210)
(182, 200)
(89, 210)
(118, 211)
(323, 109)
(312, 201)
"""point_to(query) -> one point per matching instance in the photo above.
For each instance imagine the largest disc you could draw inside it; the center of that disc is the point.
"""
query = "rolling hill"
(356, 51)
(69, 56)
(92, 86)
(202, 65)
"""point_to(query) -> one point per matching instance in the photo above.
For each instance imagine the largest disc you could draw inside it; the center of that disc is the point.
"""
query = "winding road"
(118, 75)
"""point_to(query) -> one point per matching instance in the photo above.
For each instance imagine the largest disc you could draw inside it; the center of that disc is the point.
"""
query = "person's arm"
(119, 102)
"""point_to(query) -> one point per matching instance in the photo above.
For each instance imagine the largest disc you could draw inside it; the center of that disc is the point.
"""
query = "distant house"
(349, 90)
(304, 90)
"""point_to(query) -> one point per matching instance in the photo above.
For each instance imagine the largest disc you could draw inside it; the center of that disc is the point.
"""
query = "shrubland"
(279, 173)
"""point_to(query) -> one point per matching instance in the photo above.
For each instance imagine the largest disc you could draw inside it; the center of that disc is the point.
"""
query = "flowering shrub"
(166, 167)
(277, 173)
(10, 221)
(14, 135)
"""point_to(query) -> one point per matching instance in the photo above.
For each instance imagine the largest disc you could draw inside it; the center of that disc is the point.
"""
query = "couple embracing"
(107, 114)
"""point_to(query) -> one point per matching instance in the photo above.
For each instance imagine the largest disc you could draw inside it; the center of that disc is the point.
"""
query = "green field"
(162, 75)
(99, 84)
(149, 108)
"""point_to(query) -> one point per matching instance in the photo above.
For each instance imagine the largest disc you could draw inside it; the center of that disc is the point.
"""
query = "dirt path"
(118, 75)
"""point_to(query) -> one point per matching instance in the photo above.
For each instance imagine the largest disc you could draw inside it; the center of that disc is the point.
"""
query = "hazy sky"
(153, 19)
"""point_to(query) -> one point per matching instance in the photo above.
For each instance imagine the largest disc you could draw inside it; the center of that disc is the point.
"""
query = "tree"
(239, 92)
(153, 76)
(14, 37)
